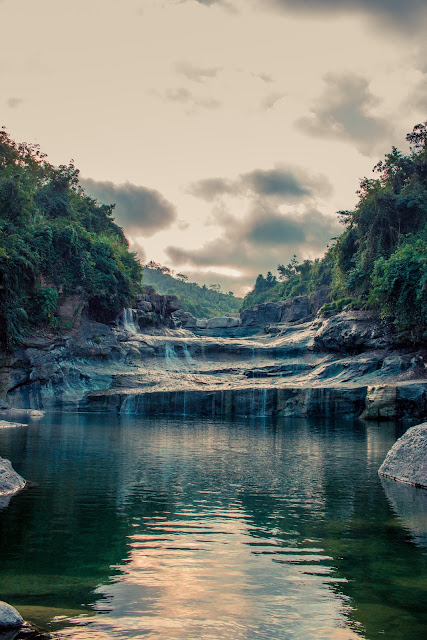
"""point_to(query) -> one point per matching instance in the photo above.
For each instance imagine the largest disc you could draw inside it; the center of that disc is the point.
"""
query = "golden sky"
(228, 132)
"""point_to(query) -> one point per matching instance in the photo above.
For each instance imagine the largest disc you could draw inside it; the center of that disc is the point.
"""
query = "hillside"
(380, 260)
(201, 301)
(55, 241)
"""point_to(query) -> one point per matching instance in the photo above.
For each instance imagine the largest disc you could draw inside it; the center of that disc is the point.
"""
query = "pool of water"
(245, 529)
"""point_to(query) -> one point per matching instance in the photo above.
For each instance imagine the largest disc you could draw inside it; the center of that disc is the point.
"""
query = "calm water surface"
(172, 529)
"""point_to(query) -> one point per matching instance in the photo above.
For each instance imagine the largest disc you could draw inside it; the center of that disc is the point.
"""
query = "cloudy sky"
(227, 132)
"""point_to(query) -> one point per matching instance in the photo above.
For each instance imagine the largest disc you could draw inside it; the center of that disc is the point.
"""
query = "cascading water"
(128, 320)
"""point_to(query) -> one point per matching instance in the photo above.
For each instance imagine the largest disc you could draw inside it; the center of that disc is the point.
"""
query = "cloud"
(12, 103)
(261, 240)
(211, 188)
(287, 184)
(195, 73)
(270, 101)
(400, 13)
(184, 96)
(139, 210)
(343, 112)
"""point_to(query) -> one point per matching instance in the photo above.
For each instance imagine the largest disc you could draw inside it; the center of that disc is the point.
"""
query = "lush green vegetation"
(55, 239)
(380, 260)
(201, 301)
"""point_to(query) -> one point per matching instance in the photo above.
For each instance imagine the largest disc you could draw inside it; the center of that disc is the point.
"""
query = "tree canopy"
(55, 239)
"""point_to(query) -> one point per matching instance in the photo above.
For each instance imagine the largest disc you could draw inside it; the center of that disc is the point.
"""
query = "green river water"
(204, 529)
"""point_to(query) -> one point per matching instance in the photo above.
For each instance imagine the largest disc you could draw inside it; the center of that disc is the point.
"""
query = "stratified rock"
(10, 481)
(226, 322)
(392, 401)
(351, 332)
(9, 617)
(407, 459)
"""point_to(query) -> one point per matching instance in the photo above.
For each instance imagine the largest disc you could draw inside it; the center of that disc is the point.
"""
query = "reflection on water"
(206, 529)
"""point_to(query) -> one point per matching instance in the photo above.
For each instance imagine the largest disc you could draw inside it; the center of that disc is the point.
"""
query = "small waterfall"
(263, 402)
(128, 320)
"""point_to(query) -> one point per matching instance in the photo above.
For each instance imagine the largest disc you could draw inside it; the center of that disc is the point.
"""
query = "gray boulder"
(407, 459)
(9, 617)
(10, 481)
(351, 332)
(184, 319)
(226, 322)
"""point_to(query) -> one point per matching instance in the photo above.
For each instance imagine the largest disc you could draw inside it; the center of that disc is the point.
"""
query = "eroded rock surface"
(407, 459)
(9, 617)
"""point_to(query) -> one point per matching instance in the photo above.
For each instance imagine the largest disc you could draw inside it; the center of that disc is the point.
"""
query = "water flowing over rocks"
(407, 459)
(345, 365)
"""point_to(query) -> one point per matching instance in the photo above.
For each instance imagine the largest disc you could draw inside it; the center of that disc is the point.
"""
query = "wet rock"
(394, 401)
(10, 481)
(226, 322)
(9, 617)
(407, 459)
(5, 424)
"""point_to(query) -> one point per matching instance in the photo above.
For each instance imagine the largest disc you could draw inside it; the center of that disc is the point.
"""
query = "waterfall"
(128, 320)
(263, 403)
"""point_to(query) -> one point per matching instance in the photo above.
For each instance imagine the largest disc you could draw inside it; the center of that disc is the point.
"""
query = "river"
(244, 529)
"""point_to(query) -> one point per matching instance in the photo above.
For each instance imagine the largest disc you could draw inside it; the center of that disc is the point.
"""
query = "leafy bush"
(53, 237)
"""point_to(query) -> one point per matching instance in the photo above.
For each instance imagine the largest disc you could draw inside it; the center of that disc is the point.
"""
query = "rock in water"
(407, 459)
(9, 617)
(10, 481)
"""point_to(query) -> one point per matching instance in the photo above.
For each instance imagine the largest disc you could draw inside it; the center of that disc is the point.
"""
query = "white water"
(128, 320)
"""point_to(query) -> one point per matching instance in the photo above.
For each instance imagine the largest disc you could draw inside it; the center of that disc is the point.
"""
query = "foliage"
(202, 301)
(380, 258)
(55, 239)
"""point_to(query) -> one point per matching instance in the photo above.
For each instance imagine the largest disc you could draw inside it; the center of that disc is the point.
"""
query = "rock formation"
(9, 617)
(10, 482)
(407, 459)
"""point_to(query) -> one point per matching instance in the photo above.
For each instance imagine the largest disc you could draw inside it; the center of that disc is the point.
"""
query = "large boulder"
(407, 459)
(10, 481)
(226, 322)
(9, 617)
(184, 319)
(351, 332)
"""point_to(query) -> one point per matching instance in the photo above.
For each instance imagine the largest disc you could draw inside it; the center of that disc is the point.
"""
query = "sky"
(227, 132)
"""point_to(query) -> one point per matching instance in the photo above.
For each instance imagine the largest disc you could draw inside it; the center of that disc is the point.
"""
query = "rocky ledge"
(349, 364)
(407, 459)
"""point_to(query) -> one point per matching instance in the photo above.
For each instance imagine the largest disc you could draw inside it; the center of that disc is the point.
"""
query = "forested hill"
(380, 260)
(201, 301)
(55, 240)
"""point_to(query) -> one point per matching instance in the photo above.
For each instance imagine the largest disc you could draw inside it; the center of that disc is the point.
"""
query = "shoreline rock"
(10, 618)
(10, 482)
(407, 459)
